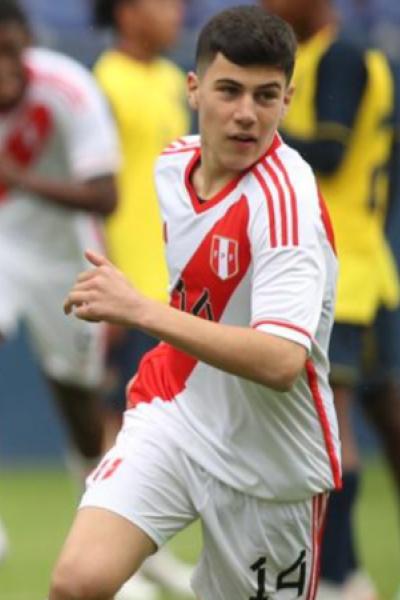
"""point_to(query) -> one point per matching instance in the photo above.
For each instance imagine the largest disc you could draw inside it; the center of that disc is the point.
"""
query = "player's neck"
(136, 49)
(209, 178)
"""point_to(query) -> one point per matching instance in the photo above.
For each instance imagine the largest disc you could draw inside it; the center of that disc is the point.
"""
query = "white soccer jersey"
(260, 253)
(61, 129)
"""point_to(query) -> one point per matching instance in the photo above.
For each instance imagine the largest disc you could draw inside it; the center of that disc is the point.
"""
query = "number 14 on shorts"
(293, 577)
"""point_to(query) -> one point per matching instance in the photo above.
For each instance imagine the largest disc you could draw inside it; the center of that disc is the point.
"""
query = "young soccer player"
(231, 417)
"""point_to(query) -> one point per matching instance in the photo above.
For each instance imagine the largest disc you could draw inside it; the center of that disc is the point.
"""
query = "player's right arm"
(104, 294)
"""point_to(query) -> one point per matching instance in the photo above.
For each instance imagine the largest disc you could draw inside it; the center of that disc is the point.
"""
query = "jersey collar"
(200, 205)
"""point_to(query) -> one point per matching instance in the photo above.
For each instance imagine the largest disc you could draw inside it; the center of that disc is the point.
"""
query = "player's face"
(160, 21)
(13, 40)
(239, 110)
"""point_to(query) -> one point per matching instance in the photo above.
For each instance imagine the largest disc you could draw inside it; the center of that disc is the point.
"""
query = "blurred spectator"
(67, 27)
(376, 20)
(340, 120)
(58, 155)
(147, 96)
(199, 12)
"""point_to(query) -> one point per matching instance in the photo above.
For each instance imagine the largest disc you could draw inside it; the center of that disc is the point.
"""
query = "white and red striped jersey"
(260, 254)
(61, 129)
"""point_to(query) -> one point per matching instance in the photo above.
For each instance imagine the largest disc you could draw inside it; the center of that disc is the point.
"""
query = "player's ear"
(286, 100)
(192, 86)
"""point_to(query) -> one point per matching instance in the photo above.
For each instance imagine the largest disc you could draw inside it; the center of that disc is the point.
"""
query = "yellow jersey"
(356, 192)
(148, 102)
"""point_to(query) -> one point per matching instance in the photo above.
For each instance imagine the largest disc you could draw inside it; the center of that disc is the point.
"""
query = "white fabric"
(80, 143)
(161, 490)
(269, 444)
(61, 129)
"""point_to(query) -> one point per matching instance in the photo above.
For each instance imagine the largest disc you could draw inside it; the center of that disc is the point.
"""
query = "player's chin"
(243, 159)
(242, 164)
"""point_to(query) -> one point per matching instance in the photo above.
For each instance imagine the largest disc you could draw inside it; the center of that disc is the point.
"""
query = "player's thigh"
(345, 353)
(142, 480)
(254, 549)
(70, 351)
(100, 553)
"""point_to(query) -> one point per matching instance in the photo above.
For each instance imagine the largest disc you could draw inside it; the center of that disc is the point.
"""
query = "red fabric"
(164, 371)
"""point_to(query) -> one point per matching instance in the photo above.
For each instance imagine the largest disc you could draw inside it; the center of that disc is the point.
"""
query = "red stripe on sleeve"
(326, 221)
(283, 324)
(270, 206)
(282, 204)
(293, 199)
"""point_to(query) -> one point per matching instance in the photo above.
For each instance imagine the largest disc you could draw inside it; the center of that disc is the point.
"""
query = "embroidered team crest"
(224, 257)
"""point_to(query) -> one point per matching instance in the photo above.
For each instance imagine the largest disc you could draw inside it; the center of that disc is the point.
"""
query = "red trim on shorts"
(319, 405)
(283, 324)
(293, 198)
(314, 544)
(319, 507)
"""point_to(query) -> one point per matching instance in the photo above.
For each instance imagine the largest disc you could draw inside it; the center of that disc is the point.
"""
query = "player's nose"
(245, 112)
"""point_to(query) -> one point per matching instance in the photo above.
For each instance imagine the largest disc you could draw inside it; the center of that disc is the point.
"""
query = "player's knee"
(77, 581)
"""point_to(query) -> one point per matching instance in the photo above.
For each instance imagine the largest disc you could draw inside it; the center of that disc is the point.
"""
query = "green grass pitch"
(37, 506)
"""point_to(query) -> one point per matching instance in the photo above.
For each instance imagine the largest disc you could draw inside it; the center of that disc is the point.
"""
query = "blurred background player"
(341, 122)
(146, 93)
(58, 153)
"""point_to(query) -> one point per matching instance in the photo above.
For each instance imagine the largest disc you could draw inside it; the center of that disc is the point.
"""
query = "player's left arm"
(96, 194)
(104, 294)
(91, 145)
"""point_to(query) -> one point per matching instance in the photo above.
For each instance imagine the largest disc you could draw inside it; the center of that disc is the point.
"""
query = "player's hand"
(104, 294)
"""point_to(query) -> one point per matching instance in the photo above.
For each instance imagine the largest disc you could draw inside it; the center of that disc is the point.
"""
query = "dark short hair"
(248, 36)
(104, 12)
(11, 12)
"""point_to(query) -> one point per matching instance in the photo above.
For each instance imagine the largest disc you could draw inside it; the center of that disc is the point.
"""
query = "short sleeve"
(91, 138)
(289, 271)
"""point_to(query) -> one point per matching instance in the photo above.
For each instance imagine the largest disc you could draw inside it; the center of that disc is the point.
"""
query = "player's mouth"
(244, 140)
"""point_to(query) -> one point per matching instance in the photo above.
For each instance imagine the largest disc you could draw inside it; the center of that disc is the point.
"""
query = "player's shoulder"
(178, 153)
(283, 169)
(283, 195)
(59, 77)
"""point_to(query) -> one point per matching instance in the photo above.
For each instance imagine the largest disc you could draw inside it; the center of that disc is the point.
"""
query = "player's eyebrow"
(271, 85)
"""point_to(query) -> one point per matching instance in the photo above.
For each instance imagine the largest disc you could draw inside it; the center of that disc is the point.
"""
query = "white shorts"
(70, 351)
(253, 549)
